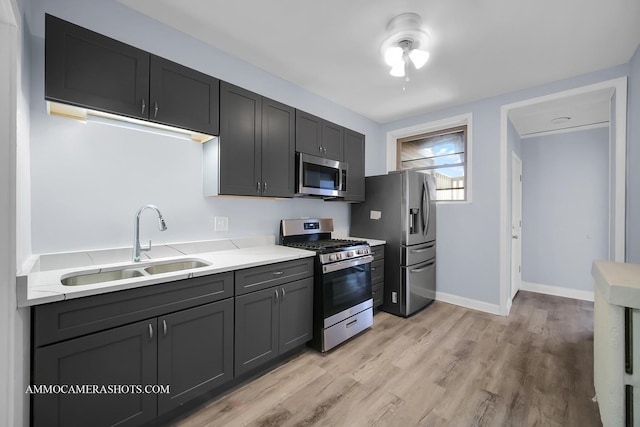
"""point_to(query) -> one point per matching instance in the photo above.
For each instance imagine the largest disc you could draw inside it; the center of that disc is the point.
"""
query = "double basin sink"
(130, 272)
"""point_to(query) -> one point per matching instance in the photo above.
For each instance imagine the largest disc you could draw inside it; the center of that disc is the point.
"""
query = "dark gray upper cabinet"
(278, 149)
(354, 155)
(183, 97)
(90, 70)
(194, 352)
(332, 140)
(256, 145)
(125, 355)
(318, 137)
(87, 69)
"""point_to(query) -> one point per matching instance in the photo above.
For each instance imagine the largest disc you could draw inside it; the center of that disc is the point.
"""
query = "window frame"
(437, 127)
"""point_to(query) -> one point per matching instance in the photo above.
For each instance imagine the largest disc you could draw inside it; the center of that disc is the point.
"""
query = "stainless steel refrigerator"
(400, 208)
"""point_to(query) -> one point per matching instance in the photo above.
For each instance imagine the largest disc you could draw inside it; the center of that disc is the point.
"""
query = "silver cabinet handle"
(278, 273)
(150, 332)
(324, 149)
(258, 187)
(320, 148)
(155, 109)
(276, 295)
(283, 293)
(144, 105)
(264, 186)
(164, 327)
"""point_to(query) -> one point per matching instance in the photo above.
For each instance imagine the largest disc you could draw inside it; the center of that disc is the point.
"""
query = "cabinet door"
(120, 356)
(195, 352)
(278, 149)
(240, 145)
(90, 70)
(256, 329)
(296, 314)
(308, 131)
(183, 97)
(354, 155)
(332, 141)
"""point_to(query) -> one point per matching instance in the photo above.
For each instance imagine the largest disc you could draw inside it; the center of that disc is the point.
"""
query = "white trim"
(620, 87)
(559, 291)
(565, 130)
(468, 303)
(449, 122)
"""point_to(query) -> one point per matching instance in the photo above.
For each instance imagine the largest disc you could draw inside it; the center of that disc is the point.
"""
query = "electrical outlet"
(221, 223)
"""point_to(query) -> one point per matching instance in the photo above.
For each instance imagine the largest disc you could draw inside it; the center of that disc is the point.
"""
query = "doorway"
(617, 117)
(516, 224)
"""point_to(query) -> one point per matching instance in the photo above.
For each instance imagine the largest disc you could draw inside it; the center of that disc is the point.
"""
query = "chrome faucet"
(137, 249)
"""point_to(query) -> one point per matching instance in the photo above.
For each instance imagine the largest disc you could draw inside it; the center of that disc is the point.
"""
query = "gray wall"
(469, 256)
(565, 207)
(633, 160)
(88, 180)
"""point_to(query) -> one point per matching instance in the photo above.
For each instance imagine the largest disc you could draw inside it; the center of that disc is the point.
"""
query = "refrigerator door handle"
(425, 206)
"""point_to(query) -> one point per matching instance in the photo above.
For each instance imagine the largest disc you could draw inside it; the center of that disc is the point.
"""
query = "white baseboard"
(468, 303)
(558, 291)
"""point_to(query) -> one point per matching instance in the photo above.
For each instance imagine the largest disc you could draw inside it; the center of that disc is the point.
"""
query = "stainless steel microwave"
(317, 176)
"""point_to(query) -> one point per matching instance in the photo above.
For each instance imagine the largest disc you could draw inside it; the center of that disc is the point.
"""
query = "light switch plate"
(221, 223)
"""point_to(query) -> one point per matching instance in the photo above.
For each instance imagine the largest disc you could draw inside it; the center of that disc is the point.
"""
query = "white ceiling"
(588, 109)
(479, 48)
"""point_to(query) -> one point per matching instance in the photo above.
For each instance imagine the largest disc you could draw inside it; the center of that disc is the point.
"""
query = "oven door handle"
(341, 265)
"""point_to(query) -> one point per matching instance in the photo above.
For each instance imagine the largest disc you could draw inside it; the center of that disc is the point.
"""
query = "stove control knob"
(349, 254)
(332, 257)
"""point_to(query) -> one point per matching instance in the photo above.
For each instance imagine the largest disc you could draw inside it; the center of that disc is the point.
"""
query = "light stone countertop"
(618, 282)
(42, 283)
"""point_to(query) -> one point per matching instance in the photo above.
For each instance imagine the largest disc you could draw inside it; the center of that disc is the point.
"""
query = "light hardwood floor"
(445, 366)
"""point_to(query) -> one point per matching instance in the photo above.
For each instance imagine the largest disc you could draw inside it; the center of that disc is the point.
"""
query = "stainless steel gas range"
(343, 304)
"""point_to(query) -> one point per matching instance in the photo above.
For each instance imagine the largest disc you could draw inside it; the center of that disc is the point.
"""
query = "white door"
(516, 224)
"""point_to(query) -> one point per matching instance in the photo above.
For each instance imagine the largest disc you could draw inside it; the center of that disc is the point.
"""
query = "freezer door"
(418, 254)
(419, 282)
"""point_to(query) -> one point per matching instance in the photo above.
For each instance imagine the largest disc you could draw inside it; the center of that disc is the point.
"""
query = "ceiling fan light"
(418, 57)
(393, 56)
(397, 70)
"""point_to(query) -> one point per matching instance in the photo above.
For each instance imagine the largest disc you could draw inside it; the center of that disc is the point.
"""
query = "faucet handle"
(148, 248)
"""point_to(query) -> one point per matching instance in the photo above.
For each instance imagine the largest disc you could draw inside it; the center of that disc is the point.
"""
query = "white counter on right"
(617, 291)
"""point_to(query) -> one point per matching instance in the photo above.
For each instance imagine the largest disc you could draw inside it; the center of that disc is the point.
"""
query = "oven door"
(345, 285)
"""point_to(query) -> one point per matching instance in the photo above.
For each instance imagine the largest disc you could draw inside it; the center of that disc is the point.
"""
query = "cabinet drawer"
(378, 294)
(377, 252)
(377, 271)
(68, 319)
(266, 276)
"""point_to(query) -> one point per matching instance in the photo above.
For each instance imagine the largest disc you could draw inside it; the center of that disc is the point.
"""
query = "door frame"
(617, 176)
(516, 278)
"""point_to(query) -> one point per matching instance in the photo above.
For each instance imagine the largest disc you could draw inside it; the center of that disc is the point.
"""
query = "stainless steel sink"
(101, 277)
(131, 271)
(175, 266)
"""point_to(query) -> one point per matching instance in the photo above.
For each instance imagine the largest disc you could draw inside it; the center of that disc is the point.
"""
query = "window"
(442, 154)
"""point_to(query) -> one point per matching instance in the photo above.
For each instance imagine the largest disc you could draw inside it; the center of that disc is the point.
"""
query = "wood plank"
(444, 366)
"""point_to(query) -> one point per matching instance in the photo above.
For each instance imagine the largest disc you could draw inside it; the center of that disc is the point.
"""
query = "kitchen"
(59, 213)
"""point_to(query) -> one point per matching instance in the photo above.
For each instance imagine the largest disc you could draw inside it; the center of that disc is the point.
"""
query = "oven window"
(318, 176)
(343, 289)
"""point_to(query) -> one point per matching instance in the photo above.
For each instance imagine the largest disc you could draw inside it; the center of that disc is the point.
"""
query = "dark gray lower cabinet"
(124, 355)
(191, 351)
(377, 275)
(195, 352)
(271, 322)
